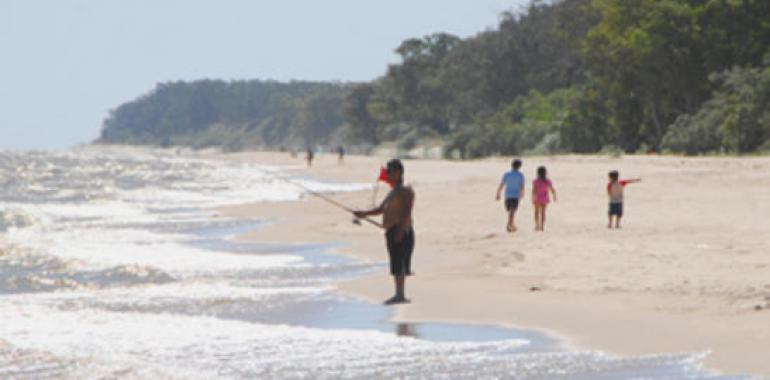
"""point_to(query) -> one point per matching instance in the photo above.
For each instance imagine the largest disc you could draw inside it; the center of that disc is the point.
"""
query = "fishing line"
(325, 198)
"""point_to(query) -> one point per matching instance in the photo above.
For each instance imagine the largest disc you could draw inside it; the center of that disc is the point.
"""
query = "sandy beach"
(688, 272)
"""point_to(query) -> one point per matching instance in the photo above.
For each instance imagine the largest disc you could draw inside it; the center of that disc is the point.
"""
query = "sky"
(66, 63)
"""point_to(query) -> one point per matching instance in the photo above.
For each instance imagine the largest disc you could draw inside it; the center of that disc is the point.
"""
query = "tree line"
(685, 76)
(233, 115)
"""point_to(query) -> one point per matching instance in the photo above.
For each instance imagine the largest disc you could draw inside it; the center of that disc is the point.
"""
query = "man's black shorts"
(616, 209)
(511, 204)
(400, 252)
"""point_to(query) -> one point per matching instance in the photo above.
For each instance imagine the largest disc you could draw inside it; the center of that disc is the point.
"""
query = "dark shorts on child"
(616, 209)
(400, 252)
(511, 204)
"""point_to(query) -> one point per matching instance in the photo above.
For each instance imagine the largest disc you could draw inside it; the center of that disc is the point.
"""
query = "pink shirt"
(540, 189)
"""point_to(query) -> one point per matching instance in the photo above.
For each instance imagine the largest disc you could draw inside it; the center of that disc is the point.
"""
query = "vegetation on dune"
(233, 115)
(686, 76)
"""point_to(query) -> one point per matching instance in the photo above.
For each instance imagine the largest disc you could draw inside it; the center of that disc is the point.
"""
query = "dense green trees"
(612, 73)
(736, 119)
(561, 76)
(234, 115)
(652, 59)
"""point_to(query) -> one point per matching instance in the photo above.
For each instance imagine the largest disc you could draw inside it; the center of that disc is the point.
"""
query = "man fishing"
(396, 212)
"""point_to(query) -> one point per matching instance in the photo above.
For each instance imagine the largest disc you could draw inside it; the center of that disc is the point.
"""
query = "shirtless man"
(396, 212)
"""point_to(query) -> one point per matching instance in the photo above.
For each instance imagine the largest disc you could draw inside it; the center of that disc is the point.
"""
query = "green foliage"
(694, 134)
(234, 115)
(651, 58)
(357, 107)
(736, 119)
(582, 76)
(586, 128)
(531, 124)
(611, 150)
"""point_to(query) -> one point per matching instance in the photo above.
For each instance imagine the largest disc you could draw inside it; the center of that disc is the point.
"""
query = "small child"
(615, 192)
(540, 189)
(513, 182)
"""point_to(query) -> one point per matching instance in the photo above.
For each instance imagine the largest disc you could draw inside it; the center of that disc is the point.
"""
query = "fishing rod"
(327, 199)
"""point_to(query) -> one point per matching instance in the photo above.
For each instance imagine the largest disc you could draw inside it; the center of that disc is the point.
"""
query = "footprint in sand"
(513, 256)
(518, 256)
(502, 262)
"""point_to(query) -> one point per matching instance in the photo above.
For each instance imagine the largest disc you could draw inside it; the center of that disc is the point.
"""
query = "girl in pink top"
(540, 191)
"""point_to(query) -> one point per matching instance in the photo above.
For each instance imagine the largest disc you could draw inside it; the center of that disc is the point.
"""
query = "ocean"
(114, 263)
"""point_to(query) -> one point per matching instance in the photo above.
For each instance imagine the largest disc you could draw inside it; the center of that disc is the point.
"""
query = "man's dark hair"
(614, 175)
(516, 164)
(395, 164)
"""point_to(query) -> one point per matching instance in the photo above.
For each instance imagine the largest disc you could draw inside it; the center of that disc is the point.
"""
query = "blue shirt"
(513, 180)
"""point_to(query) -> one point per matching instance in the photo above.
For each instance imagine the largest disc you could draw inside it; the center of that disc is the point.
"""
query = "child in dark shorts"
(615, 190)
(513, 183)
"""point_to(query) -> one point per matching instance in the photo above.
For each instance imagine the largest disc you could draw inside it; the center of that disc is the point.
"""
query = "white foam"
(187, 291)
(171, 257)
(108, 211)
(204, 347)
(13, 218)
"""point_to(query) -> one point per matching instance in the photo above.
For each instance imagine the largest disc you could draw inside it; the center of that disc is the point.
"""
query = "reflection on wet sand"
(406, 329)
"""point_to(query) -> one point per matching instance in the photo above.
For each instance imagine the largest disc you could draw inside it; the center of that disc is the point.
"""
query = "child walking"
(513, 182)
(615, 192)
(541, 187)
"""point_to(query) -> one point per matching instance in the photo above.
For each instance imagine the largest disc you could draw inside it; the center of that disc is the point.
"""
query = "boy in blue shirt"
(513, 181)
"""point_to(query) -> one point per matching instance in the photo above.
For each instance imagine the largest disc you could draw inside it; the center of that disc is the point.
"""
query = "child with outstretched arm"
(615, 192)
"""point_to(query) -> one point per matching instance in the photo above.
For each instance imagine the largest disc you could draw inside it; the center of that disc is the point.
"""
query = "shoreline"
(675, 279)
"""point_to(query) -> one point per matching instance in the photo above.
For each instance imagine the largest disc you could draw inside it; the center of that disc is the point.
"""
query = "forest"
(580, 76)
(235, 115)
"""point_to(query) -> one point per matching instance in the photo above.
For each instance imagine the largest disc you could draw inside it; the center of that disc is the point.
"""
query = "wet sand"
(689, 270)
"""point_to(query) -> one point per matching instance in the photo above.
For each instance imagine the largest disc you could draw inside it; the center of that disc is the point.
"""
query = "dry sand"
(689, 270)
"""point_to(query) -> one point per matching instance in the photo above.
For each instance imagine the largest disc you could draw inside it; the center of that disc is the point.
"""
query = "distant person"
(309, 157)
(541, 187)
(340, 154)
(615, 190)
(513, 181)
(396, 212)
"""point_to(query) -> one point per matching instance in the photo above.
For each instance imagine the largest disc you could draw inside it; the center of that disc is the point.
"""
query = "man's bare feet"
(396, 300)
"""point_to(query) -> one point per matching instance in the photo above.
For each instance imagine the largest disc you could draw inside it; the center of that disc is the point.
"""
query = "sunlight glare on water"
(113, 265)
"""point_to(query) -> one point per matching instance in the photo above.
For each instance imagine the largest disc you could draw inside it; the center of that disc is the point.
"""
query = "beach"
(689, 271)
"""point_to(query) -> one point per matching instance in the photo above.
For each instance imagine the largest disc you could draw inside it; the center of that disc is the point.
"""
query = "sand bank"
(689, 270)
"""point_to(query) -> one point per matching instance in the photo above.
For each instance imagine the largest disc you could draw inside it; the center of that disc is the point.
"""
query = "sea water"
(114, 264)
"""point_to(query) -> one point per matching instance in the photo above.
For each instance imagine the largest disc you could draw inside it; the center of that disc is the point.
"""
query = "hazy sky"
(65, 63)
